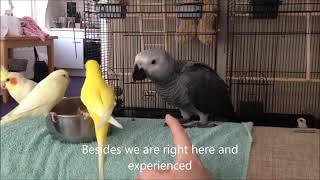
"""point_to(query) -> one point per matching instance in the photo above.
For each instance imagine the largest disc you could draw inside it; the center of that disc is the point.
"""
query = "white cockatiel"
(17, 85)
(42, 98)
(302, 123)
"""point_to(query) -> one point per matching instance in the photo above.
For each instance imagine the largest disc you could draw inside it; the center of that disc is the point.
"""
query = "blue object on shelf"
(111, 10)
(189, 10)
(265, 9)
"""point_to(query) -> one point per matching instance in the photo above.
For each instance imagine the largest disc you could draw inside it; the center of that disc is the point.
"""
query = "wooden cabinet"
(68, 48)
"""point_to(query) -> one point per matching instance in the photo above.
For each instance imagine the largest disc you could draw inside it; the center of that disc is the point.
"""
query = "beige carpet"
(281, 153)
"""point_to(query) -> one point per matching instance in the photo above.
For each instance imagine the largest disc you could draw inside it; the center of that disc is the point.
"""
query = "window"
(33, 8)
(20, 7)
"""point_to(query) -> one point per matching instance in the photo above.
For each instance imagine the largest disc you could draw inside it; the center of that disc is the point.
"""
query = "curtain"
(38, 11)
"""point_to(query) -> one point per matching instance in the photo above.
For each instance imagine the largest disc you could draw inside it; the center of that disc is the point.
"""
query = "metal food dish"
(68, 123)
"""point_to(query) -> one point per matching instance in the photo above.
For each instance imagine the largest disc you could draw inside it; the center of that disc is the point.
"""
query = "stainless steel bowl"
(67, 123)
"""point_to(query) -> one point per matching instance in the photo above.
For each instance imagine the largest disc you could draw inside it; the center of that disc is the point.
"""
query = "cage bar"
(116, 39)
(275, 60)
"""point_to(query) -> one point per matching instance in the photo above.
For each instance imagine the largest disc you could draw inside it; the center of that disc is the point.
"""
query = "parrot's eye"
(8, 80)
(153, 61)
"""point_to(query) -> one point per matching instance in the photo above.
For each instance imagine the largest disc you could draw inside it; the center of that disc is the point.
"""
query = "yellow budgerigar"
(99, 99)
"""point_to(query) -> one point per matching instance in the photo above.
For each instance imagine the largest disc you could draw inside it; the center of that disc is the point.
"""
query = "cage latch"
(111, 10)
(189, 10)
(265, 9)
(148, 94)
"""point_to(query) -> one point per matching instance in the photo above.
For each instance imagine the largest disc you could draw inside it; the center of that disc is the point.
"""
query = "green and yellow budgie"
(99, 99)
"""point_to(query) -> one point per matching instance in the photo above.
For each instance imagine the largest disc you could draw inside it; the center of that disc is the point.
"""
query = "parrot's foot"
(190, 124)
(181, 121)
(53, 116)
(206, 125)
(85, 115)
(198, 124)
(185, 115)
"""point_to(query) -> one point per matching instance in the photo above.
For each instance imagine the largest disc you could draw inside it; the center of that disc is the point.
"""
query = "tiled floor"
(73, 90)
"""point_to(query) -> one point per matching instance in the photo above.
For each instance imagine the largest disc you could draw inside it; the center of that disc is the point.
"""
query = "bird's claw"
(52, 116)
(188, 123)
(197, 124)
(206, 125)
(85, 115)
(181, 121)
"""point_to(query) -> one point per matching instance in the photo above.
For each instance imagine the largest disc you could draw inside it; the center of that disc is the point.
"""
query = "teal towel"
(28, 151)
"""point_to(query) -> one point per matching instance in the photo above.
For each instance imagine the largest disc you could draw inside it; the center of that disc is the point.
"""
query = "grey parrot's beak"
(138, 74)
(3, 85)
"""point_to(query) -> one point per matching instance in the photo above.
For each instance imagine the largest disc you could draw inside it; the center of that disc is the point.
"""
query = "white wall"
(58, 8)
(21, 8)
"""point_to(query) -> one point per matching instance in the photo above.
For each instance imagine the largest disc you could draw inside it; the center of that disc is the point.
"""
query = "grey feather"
(206, 90)
(197, 85)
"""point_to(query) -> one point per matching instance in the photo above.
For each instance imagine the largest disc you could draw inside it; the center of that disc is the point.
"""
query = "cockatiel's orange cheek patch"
(13, 81)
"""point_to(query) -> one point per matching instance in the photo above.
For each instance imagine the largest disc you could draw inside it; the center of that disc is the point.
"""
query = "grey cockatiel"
(194, 88)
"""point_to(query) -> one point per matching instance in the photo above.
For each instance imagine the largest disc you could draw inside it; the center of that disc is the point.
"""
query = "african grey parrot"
(194, 88)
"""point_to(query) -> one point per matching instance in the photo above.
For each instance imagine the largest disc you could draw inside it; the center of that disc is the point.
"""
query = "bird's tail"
(106, 117)
(14, 114)
(101, 135)
(9, 118)
(5, 120)
(101, 164)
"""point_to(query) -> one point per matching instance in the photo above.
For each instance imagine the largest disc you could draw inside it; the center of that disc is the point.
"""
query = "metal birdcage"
(117, 30)
(272, 64)
(274, 56)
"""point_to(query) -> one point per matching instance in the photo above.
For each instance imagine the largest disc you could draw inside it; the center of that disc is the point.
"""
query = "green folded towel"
(28, 151)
